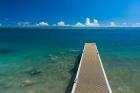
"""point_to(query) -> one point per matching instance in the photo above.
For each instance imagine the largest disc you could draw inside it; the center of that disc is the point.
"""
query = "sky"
(13, 12)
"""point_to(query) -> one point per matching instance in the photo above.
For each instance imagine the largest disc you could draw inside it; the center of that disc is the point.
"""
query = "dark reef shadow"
(73, 73)
(7, 50)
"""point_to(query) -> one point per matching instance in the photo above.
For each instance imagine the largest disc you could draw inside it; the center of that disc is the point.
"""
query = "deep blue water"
(52, 53)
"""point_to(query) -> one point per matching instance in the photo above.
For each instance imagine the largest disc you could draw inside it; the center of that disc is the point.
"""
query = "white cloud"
(42, 24)
(78, 24)
(136, 25)
(95, 23)
(88, 22)
(112, 24)
(124, 24)
(61, 23)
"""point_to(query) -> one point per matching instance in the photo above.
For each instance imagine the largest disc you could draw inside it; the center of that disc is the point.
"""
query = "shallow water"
(49, 70)
(46, 58)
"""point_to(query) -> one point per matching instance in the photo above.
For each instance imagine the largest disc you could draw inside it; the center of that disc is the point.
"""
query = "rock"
(74, 50)
(27, 82)
(1, 86)
(54, 58)
(30, 91)
(35, 72)
(4, 86)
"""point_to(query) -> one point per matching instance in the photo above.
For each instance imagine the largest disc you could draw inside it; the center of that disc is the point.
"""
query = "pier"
(91, 76)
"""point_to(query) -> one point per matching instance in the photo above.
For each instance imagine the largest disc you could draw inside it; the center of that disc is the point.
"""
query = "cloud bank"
(42, 24)
(87, 23)
(112, 24)
(62, 23)
(95, 23)
(78, 24)
(136, 25)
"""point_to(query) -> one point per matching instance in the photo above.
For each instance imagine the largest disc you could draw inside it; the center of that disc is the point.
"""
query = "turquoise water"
(42, 61)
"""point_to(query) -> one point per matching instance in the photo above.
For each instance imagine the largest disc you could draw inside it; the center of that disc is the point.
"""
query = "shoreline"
(67, 27)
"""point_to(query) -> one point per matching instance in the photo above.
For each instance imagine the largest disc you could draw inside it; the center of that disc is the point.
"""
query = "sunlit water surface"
(42, 61)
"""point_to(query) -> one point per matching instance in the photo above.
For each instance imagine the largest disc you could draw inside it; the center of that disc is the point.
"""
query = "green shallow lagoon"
(43, 60)
(49, 71)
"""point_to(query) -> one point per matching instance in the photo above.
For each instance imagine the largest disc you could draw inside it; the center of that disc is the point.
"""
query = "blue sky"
(69, 11)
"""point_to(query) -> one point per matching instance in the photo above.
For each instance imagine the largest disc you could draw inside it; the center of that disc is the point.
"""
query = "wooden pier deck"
(91, 77)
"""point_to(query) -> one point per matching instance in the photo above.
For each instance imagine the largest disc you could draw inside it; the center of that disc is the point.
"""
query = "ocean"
(39, 60)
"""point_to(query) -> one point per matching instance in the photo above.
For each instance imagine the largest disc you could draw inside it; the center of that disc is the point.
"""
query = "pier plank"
(91, 77)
